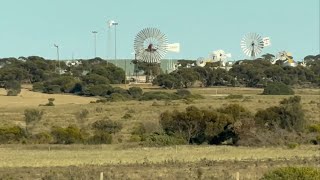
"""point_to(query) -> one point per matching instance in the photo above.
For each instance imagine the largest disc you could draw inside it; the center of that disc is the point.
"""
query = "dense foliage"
(277, 88)
(233, 124)
(250, 73)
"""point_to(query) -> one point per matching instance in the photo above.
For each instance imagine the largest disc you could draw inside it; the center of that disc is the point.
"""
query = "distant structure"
(70, 63)
(216, 56)
(286, 58)
(252, 44)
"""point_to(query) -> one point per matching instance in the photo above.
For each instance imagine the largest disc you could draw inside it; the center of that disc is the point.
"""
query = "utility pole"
(95, 42)
(58, 57)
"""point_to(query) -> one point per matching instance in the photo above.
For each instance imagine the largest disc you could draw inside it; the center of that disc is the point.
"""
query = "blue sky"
(31, 27)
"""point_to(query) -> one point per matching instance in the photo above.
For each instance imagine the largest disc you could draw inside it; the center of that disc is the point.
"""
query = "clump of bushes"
(42, 138)
(33, 115)
(37, 87)
(11, 134)
(127, 116)
(115, 97)
(156, 139)
(103, 130)
(100, 137)
(288, 115)
(158, 95)
(138, 132)
(198, 126)
(82, 114)
(277, 88)
(13, 88)
(234, 124)
(68, 135)
(108, 126)
(135, 92)
(303, 173)
(234, 96)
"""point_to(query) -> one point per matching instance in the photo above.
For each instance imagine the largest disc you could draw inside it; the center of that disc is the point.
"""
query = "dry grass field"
(121, 161)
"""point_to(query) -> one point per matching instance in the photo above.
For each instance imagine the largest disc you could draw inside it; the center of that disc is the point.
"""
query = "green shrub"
(33, 115)
(50, 102)
(135, 92)
(37, 87)
(68, 135)
(236, 111)
(159, 95)
(162, 140)
(116, 97)
(12, 92)
(82, 114)
(288, 115)
(100, 137)
(234, 96)
(42, 138)
(292, 145)
(299, 173)
(13, 88)
(11, 134)
(184, 93)
(135, 138)
(138, 132)
(127, 116)
(97, 90)
(277, 88)
(95, 79)
(314, 128)
(108, 126)
(52, 89)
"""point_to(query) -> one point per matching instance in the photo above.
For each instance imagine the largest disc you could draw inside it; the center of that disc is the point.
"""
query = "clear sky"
(31, 27)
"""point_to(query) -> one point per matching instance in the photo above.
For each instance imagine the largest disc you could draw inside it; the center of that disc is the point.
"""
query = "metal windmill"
(252, 44)
(150, 45)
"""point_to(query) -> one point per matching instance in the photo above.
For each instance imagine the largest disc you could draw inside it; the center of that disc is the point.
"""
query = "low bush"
(33, 115)
(156, 139)
(301, 173)
(97, 90)
(68, 135)
(82, 114)
(184, 93)
(108, 126)
(42, 138)
(100, 137)
(234, 96)
(116, 97)
(314, 128)
(37, 87)
(11, 134)
(51, 89)
(292, 145)
(288, 115)
(13, 88)
(277, 88)
(158, 95)
(135, 92)
(138, 132)
(127, 116)
(50, 102)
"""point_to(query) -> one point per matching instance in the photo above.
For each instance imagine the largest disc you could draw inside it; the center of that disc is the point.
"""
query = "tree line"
(91, 76)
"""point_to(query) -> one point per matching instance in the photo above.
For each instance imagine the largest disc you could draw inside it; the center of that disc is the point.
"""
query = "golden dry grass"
(59, 155)
(66, 106)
